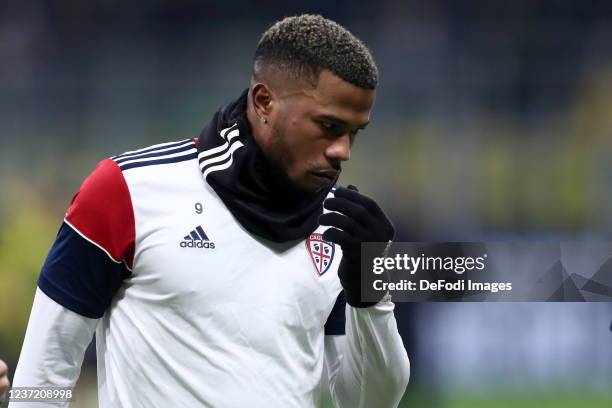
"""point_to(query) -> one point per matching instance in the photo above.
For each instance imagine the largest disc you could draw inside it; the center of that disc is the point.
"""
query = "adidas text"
(198, 244)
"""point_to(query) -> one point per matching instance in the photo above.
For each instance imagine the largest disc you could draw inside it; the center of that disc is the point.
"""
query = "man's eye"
(328, 125)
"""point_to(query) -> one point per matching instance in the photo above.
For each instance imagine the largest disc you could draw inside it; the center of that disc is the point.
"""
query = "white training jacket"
(191, 310)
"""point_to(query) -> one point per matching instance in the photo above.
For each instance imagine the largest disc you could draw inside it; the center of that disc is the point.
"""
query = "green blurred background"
(493, 121)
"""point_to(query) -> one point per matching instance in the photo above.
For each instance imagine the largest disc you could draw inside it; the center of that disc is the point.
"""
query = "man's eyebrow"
(341, 122)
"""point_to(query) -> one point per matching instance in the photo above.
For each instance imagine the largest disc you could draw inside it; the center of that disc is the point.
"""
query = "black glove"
(360, 220)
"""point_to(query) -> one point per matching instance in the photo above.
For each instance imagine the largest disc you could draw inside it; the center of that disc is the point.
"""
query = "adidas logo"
(197, 239)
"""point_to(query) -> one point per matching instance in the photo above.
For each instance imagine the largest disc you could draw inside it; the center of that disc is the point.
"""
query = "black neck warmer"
(250, 186)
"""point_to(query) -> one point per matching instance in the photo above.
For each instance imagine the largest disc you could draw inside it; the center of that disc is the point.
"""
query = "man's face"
(312, 130)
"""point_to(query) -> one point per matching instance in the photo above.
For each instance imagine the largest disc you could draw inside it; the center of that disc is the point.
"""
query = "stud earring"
(262, 119)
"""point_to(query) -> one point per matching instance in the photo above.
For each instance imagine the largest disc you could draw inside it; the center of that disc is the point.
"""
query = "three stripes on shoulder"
(214, 159)
(163, 153)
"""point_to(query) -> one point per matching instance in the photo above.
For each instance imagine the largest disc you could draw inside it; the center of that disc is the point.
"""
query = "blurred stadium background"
(493, 122)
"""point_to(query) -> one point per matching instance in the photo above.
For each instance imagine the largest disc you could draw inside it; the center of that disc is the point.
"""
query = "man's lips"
(329, 174)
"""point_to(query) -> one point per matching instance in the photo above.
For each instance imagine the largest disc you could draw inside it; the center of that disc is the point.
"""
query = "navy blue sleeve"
(336, 321)
(79, 275)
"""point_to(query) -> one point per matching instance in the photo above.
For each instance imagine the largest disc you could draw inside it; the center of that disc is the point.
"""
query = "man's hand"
(356, 219)
(4, 381)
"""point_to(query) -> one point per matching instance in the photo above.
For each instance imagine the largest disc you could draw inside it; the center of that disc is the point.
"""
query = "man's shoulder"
(156, 155)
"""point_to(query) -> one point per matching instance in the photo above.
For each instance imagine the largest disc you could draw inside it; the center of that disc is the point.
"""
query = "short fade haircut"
(304, 45)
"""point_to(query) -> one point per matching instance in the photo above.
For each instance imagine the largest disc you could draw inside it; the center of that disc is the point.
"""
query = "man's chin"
(303, 189)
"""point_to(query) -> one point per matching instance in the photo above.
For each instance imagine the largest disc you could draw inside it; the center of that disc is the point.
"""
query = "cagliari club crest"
(321, 252)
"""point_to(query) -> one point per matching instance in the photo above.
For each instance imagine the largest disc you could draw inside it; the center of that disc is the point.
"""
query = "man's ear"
(262, 98)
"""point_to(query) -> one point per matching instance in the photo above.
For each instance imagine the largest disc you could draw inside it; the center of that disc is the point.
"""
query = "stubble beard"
(279, 159)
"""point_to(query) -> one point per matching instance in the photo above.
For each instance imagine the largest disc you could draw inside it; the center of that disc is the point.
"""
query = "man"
(207, 267)
(4, 381)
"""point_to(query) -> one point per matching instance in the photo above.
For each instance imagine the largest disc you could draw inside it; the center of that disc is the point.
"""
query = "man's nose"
(340, 148)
